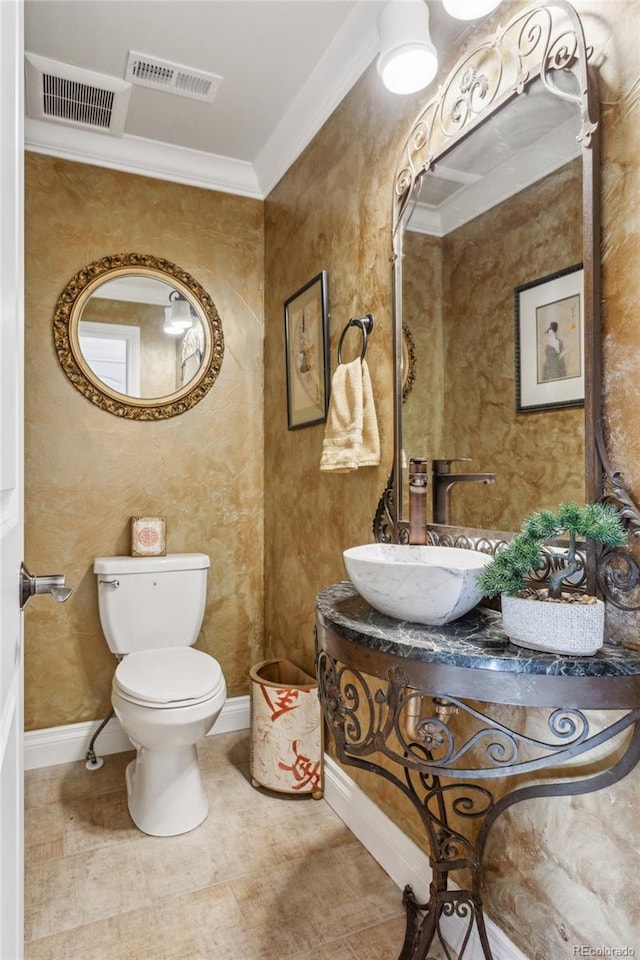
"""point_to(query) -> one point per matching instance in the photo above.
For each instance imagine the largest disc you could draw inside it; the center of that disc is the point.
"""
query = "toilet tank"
(148, 602)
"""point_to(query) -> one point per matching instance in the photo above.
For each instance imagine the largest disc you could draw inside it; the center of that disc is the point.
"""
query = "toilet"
(166, 695)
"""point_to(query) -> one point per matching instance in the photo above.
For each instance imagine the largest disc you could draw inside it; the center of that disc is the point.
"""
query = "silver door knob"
(53, 584)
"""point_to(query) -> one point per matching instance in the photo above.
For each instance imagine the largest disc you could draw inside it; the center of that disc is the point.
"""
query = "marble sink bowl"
(423, 584)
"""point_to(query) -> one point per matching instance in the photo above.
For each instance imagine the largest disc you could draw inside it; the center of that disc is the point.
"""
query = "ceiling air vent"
(80, 98)
(172, 77)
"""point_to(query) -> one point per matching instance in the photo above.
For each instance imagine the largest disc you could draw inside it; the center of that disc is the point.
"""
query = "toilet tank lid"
(172, 561)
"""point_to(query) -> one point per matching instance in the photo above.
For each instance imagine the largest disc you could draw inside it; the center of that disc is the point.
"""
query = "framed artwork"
(549, 338)
(306, 332)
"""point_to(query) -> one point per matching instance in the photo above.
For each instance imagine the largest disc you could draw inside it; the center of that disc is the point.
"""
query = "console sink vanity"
(419, 699)
(464, 723)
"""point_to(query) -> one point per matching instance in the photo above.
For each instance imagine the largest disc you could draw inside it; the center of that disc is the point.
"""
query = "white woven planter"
(573, 628)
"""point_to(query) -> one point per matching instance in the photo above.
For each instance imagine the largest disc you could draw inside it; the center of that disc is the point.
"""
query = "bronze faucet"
(444, 480)
(418, 480)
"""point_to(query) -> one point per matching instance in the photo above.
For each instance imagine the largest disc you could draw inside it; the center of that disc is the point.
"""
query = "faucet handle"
(442, 467)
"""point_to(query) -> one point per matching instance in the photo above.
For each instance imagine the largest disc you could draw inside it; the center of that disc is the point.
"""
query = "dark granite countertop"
(475, 641)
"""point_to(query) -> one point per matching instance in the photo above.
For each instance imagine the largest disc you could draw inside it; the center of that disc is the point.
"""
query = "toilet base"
(165, 792)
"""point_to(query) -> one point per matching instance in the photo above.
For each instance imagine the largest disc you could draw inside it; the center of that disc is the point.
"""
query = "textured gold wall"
(570, 874)
(475, 345)
(87, 471)
(330, 211)
(534, 234)
(423, 411)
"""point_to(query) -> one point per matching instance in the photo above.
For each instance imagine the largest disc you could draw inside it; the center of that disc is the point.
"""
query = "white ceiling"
(285, 64)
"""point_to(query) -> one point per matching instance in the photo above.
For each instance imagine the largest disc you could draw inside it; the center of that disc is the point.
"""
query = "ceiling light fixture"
(470, 9)
(408, 60)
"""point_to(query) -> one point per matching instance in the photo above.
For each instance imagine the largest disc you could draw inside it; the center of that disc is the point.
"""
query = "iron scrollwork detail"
(545, 42)
(396, 732)
(533, 43)
(483, 543)
(618, 571)
(385, 528)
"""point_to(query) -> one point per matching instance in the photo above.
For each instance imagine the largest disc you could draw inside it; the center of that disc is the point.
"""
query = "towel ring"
(366, 326)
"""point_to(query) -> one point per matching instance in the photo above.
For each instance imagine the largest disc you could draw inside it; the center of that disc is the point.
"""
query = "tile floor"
(263, 878)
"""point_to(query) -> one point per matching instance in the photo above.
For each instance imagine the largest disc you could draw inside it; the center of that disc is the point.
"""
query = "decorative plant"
(508, 572)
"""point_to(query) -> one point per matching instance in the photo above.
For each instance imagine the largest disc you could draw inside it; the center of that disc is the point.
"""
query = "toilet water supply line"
(93, 762)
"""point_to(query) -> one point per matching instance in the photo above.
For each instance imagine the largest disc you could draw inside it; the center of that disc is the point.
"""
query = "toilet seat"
(168, 677)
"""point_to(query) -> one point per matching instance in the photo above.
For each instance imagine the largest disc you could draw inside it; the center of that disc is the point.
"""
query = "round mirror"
(138, 336)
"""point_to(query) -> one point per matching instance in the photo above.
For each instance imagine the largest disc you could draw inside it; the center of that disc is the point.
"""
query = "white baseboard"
(44, 748)
(402, 859)
(398, 856)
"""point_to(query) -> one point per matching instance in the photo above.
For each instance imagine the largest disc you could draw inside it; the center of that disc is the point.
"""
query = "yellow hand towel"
(370, 448)
(351, 434)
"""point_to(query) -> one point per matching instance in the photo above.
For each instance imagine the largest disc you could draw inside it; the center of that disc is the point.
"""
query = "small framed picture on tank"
(306, 334)
(549, 341)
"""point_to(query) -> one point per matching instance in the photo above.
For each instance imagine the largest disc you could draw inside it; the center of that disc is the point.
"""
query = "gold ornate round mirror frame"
(65, 334)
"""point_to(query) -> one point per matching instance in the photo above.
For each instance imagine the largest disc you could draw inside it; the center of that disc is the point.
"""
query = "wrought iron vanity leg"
(421, 932)
(482, 933)
(430, 923)
(413, 910)
(425, 933)
(429, 766)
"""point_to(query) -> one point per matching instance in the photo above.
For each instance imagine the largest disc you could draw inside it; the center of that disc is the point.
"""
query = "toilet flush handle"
(110, 583)
(53, 584)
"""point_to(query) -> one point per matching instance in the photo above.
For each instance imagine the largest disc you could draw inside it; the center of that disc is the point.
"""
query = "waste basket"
(286, 729)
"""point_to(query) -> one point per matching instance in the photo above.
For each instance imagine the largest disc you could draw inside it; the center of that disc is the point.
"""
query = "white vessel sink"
(422, 584)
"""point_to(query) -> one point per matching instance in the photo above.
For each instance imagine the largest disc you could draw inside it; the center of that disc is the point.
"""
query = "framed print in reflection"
(549, 338)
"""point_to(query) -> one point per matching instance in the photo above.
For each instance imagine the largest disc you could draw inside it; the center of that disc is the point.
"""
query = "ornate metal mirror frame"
(542, 41)
(66, 321)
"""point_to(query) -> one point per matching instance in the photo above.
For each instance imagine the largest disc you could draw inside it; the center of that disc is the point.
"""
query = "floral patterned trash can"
(286, 729)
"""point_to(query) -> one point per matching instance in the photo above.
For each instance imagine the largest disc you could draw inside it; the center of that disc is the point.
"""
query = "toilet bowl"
(167, 700)
(166, 695)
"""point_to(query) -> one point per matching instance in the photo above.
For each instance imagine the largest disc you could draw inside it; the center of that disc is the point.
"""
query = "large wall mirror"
(496, 275)
(138, 336)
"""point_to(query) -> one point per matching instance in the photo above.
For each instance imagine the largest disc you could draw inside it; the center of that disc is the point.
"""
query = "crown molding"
(341, 66)
(344, 61)
(148, 158)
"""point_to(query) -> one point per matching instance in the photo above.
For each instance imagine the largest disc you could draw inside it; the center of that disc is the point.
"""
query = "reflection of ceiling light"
(469, 9)
(174, 329)
(180, 310)
(177, 317)
(408, 60)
